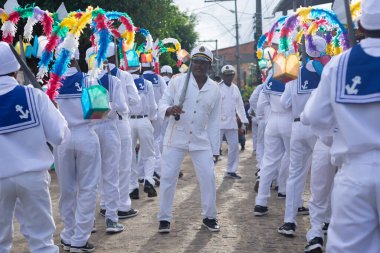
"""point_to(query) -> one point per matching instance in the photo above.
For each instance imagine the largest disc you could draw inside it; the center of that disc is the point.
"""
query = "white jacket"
(199, 127)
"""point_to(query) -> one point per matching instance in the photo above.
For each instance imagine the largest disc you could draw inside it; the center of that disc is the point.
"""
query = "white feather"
(9, 28)
(28, 29)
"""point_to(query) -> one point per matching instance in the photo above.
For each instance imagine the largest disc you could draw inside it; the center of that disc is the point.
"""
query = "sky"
(215, 21)
(211, 16)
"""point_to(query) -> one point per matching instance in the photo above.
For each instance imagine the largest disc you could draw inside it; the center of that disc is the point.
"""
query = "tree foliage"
(161, 17)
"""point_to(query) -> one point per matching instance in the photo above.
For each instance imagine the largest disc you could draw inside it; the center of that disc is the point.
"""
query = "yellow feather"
(4, 17)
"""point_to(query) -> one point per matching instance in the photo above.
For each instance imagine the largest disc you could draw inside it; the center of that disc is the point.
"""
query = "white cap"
(42, 42)
(166, 69)
(147, 64)
(111, 50)
(228, 70)
(202, 53)
(9, 63)
(319, 47)
(370, 17)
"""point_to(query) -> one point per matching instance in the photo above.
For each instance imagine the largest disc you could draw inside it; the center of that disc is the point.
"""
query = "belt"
(138, 116)
(297, 119)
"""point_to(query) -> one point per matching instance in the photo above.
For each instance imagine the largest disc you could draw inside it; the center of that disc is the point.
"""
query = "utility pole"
(237, 54)
(216, 54)
(258, 33)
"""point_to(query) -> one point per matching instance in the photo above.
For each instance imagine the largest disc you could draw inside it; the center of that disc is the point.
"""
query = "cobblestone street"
(240, 230)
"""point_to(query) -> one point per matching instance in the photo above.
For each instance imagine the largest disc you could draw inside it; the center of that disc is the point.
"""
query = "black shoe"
(134, 194)
(288, 229)
(281, 196)
(211, 224)
(141, 181)
(164, 227)
(65, 246)
(125, 215)
(156, 179)
(315, 245)
(257, 184)
(180, 174)
(86, 248)
(102, 212)
(303, 211)
(260, 210)
(325, 227)
(232, 175)
(148, 188)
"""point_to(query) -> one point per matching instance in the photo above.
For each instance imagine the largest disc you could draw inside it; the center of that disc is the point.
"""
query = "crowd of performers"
(315, 116)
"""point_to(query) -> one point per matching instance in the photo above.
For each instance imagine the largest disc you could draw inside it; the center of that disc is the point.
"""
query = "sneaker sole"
(281, 197)
(65, 248)
(114, 230)
(286, 233)
(79, 250)
(260, 214)
(128, 216)
(211, 229)
(302, 213)
(164, 231)
(316, 248)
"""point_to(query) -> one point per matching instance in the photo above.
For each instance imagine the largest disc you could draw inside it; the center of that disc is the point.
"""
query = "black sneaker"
(325, 227)
(288, 229)
(113, 227)
(257, 184)
(281, 196)
(315, 245)
(180, 174)
(125, 215)
(65, 246)
(134, 194)
(260, 210)
(141, 180)
(211, 224)
(303, 211)
(148, 188)
(232, 175)
(164, 227)
(156, 179)
(86, 248)
(102, 212)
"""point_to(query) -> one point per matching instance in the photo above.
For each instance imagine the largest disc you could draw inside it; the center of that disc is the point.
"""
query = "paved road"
(240, 231)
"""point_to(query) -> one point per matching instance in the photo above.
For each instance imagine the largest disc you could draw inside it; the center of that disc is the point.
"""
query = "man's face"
(199, 68)
(227, 78)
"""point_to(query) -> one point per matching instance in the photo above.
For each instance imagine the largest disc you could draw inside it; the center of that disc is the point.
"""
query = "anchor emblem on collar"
(78, 87)
(305, 84)
(351, 89)
(270, 85)
(23, 114)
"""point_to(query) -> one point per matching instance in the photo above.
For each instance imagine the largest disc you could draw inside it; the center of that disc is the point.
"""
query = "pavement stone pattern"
(240, 230)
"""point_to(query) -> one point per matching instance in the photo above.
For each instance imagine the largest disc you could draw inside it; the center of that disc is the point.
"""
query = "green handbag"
(95, 101)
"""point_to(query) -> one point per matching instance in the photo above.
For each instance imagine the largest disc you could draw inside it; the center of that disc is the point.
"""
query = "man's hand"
(174, 110)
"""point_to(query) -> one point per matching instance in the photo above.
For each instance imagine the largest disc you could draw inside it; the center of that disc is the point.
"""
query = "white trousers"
(321, 182)
(142, 130)
(233, 148)
(302, 143)
(282, 174)
(110, 147)
(78, 167)
(32, 190)
(125, 164)
(157, 128)
(204, 169)
(276, 144)
(260, 143)
(355, 203)
(254, 133)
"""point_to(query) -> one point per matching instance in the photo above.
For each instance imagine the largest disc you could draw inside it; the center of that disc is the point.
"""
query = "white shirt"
(160, 89)
(358, 124)
(231, 104)
(292, 99)
(128, 86)
(254, 98)
(119, 103)
(198, 128)
(71, 108)
(26, 150)
(147, 104)
(263, 107)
